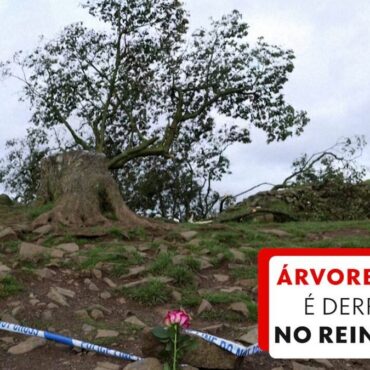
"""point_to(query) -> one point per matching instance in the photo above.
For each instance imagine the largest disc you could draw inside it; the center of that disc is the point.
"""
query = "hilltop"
(107, 285)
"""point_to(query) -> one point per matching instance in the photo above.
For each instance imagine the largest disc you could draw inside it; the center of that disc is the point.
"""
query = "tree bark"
(83, 192)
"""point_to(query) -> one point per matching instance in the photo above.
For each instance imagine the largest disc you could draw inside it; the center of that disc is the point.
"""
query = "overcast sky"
(331, 41)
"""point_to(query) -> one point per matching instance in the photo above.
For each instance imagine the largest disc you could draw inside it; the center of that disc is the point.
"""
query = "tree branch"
(142, 150)
(111, 90)
(310, 163)
(78, 140)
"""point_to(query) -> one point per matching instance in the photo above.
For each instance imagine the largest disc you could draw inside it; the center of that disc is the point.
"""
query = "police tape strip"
(67, 341)
(235, 348)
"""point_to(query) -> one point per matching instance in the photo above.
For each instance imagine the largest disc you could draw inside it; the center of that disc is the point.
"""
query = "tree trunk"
(83, 192)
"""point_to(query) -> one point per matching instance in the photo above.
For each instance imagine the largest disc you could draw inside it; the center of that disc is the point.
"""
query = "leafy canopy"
(132, 88)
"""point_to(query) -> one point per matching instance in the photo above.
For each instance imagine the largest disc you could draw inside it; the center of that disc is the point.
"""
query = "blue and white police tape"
(235, 348)
(232, 347)
(67, 341)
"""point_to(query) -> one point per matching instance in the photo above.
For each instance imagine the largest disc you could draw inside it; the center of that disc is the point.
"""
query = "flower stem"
(174, 364)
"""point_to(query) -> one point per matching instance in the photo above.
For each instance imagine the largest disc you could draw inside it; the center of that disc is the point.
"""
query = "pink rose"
(179, 317)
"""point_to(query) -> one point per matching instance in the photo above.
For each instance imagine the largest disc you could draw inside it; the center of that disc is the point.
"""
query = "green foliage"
(140, 86)
(9, 286)
(20, 173)
(152, 293)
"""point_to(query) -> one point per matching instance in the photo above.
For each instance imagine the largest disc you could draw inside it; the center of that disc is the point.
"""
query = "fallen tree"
(327, 185)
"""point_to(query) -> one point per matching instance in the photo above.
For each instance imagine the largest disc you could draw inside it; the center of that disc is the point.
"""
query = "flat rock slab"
(27, 346)
(162, 279)
(4, 270)
(238, 255)
(7, 234)
(134, 271)
(324, 362)
(32, 252)
(204, 306)
(188, 235)
(298, 366)
(107, 333)
(57, 297)
(146, 364)
(276, 232)
(251, 337)
(45, 273)
(68, 247)
(43, 230)
(133, 320)
(107, 366)
(221, 278)
(240, 307)
(66, 292)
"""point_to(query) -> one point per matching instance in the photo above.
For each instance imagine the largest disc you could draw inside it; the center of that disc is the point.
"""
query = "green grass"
(115, 254)
(252, 235)
(51, 240)
(117, 232)
(36, 211)
(11, 245)
(250, 253)
(161, 263)
(183, 274)
(192, 263)
(137, 233)
(219, 253)
(9, 286)
(247, 272)
(223, 316)
(190, 298)
(225, 298)
(152, 293)
(227, 238)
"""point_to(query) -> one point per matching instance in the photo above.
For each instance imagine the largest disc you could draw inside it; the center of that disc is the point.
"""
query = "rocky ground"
(108, 286)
